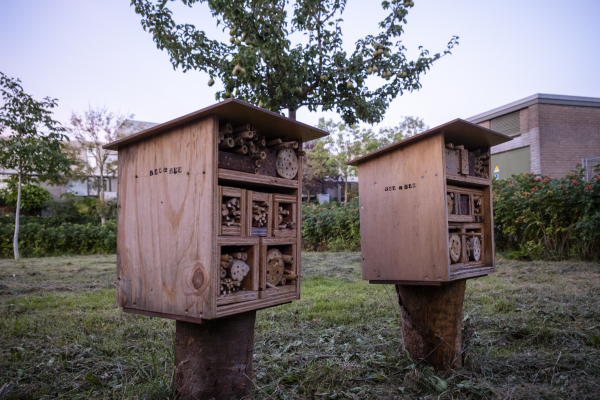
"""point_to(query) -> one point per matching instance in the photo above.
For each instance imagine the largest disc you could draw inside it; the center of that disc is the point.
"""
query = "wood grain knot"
(198, 279)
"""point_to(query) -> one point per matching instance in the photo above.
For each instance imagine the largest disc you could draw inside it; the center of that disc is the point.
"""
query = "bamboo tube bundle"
(260, 212)
(285, 220)
(283, 145)
(231, 215)
(242, 139)
(244, 128)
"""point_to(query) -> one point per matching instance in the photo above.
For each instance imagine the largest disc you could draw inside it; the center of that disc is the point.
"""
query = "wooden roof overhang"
(235, 112)
(457, 131)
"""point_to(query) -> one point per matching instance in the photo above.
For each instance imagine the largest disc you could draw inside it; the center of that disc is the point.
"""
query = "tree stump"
(431, 322)
(214, 358)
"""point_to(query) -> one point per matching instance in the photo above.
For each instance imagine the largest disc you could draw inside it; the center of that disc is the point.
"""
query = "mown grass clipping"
(532, 330)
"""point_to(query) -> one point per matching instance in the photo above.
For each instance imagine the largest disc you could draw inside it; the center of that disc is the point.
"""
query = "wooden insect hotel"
(208, 214)
(426, 213)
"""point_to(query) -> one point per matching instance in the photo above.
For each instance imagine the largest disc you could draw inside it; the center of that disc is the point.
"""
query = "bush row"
(542, 218)
(535, 217)
(51, 221)
(37, 239)
(331, 226)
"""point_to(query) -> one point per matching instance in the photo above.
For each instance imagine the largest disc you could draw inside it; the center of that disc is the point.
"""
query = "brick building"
(552, 134)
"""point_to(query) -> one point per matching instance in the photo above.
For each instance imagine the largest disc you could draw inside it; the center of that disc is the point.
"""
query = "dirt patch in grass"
(532, 330)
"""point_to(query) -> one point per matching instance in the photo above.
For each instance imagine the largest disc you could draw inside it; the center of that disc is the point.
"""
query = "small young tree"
(262, 66)
(25, 148)
(91, 131)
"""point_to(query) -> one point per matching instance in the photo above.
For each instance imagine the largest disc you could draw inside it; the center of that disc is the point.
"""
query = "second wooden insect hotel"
(426, 206)
(209, 213)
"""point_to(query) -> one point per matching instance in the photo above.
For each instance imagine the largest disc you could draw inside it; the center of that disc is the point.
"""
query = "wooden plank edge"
(162, 315)
(276, 241)
(471, 273)
(473, 180)
(237, 297)
(246, 178)
(237, 308)
(237, 240)
(418, 283)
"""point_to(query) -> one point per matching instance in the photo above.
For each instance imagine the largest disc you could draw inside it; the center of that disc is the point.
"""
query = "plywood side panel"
(166, 222)
(403, 231)
(299, 219)
(488, 228)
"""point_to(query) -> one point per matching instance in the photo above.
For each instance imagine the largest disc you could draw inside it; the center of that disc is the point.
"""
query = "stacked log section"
(482, 164)
(231, 213)
(233, 271)
(260, 212)
(285, 219)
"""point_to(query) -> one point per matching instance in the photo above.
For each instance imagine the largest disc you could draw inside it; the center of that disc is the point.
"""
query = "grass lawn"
(532, 330)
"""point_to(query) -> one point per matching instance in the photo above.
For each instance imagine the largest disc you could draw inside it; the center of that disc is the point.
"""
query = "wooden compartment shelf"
(260, 214)
(278, 259)
(233, 211)
(240, 256)
(285, 214)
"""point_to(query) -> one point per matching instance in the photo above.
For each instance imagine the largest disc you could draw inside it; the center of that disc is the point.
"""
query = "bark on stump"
(214, 358)
(431, 322)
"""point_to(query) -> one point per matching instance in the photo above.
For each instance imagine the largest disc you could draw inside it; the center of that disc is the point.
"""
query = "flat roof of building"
(237, 113)
(538, 98)
(456, 131)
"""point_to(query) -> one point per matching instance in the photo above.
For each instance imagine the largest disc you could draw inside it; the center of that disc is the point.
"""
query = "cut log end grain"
(275, 266)
(455, 247)
(259, 214)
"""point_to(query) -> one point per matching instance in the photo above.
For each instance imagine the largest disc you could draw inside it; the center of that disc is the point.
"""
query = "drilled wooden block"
(236, 162)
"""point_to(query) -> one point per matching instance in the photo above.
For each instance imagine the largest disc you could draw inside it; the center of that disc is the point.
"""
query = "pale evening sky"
(95, 52)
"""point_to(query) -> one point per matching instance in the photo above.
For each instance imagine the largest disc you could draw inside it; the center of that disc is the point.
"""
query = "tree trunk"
(292, 113)
(431, 322)
(214, 358)
(17, 212)
(346, 190)
(307, 196)
(101, 197)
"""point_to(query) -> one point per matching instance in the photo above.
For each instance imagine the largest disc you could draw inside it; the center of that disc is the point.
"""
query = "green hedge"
(537, 217)
(331, 226)
(51, 221)
(38, 240)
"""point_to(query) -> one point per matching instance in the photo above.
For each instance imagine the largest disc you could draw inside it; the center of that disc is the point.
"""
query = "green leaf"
(91, 378)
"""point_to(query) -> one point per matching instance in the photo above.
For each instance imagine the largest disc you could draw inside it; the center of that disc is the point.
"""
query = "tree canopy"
(262, 66)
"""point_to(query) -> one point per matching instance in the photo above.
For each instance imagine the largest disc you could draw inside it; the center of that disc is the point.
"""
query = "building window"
(78, 188)
(509, 124)
(91, 159)
(93, 185)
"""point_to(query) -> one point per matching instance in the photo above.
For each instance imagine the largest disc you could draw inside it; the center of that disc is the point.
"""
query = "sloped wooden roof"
(237, 113)
(457, 131)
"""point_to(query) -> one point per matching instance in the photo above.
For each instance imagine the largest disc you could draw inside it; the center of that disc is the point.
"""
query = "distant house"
(551, 134)
(89, 186)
